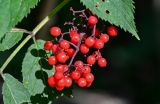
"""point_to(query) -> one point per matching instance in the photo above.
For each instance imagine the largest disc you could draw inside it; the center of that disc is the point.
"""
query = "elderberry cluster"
(67, 69)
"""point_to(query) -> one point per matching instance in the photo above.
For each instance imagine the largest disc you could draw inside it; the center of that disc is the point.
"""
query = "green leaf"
(13, 91)
(34, 73)
(9, 40)
(117, 12)
(12, 12)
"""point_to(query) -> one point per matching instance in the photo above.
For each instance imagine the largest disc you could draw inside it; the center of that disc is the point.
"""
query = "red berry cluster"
(64, 52)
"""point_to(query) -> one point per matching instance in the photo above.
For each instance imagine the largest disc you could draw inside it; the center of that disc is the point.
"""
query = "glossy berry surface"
(99, 44)
(75, 75)
(84, 49)
(82, 82)
(48, 45)
(104, 38)
(102, 62)
(51, 81)
(91, 60)
(92, 20)
(112, 31)
(55, 31)
(90, 41)
(52, 60)
(64, 44)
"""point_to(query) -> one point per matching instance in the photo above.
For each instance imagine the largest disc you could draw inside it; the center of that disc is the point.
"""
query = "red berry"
(92, 20)
(112, 31)
(99, 44)
(61, 82)
(68, 82)
(89, 77)
(90, 41)
(70, 52)
(52, 60)
(62, 57)
(55, 31)
(78, 64)
(84, 49)
(82, 82)
(86, 69)
(58, 75)
(75, 38)
(55, 48)
(75, 75)
(73, 32)
(91, 60)
(48, 45)
(102, 62)
(64, 44)
(51, 81)
(104, 38)
(59, 68)
(59, 88)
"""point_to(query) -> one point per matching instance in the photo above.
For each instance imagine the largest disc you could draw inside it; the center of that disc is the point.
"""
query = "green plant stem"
(35, 30)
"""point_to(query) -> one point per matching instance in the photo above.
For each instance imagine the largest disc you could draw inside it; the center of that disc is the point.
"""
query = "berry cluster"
(64, 51)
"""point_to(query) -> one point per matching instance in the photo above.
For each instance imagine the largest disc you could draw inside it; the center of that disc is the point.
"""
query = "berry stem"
(61, 38)
(35, 30)
(77, 49)
(94, 31)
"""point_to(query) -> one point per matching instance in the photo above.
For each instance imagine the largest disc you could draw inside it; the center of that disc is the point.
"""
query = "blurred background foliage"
(133, 72)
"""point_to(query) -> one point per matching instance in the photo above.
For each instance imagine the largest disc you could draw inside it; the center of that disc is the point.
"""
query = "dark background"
(133, 72)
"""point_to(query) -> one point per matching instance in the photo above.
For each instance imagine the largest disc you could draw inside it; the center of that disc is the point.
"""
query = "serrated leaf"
(34, 74)
(13, 91)
(9, 40)
(13, 11)
(117, 12)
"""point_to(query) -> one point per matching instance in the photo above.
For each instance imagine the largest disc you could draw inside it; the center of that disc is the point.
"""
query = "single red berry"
(75, 38)
(48, 45)
(112, 31)
(102, 62)
(70, 52)
(82, 82)
(59, 68)
(64, 44)
(61, 82)
(62, 57)
(55, 48)
(86, 69)
(99, 44)
(59, 88)
(78, 64)
(89, 77)
(75, 75)
(73, 32)
(55, 31)
(51, 81)
(58, 75)
(92, 20)
(90, 41)
(52, 60)
(104, 38)
(91, 59)
(84, 49)
(68, 82)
